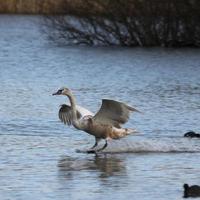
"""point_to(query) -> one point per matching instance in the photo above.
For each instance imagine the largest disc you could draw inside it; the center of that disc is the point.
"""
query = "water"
(38, 153)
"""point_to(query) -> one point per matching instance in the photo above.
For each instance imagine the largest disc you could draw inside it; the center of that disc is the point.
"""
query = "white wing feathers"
(65, 113)
(84, 111)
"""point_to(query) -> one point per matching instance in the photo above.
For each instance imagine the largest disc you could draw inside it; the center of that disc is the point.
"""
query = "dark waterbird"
(191, 191)
(192, 134)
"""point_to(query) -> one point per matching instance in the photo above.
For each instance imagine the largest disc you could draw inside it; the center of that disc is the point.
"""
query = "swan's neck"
(74, 113)
(73, 104)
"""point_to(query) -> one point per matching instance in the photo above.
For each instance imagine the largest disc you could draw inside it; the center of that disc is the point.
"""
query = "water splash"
(154, 145)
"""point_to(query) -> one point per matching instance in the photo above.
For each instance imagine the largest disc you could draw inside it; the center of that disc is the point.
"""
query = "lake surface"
(38, 152)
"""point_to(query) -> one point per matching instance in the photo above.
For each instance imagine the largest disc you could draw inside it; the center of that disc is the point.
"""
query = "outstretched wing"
(65, 113)
(113, 112)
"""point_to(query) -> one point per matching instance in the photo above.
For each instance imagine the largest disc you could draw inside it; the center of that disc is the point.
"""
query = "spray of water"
(153, 145)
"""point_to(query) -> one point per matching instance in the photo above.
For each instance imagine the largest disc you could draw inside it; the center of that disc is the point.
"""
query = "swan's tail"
(121, 132)
(131, 130)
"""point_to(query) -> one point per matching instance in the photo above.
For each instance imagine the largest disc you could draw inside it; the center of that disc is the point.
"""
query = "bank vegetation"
(31, 6)
(169, 23)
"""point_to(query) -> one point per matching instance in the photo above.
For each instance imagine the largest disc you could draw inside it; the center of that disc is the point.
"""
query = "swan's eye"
(59, 91)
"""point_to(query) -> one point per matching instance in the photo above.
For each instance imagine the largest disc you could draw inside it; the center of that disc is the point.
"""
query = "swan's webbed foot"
(91, 151)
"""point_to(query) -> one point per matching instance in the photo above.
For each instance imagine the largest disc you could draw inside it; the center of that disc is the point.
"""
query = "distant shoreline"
(130, 23)
(32, 7)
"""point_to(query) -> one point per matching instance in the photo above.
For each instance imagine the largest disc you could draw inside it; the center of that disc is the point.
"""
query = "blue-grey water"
(38, 158)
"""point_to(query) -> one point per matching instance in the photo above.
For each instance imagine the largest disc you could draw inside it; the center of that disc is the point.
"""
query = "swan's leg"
(91, 150)
(96, 143)
(104, 146)
(98, 150)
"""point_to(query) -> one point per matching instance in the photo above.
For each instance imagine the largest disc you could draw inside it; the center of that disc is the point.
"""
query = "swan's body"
(105, 124)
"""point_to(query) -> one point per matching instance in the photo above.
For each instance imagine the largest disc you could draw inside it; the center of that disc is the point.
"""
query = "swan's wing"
(113, 113)
(83, 111)
(65, 113)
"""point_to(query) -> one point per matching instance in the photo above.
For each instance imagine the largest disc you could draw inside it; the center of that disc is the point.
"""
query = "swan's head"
(63, 91)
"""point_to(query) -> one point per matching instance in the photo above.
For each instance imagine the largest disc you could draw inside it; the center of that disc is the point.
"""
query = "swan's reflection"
(107, 165)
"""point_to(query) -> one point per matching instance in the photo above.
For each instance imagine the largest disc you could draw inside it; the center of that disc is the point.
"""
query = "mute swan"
(105, 124)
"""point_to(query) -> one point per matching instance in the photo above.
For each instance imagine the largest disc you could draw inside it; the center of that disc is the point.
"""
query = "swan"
(105, 124)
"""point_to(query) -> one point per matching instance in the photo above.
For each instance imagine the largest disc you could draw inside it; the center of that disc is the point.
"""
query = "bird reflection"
(107, 165)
